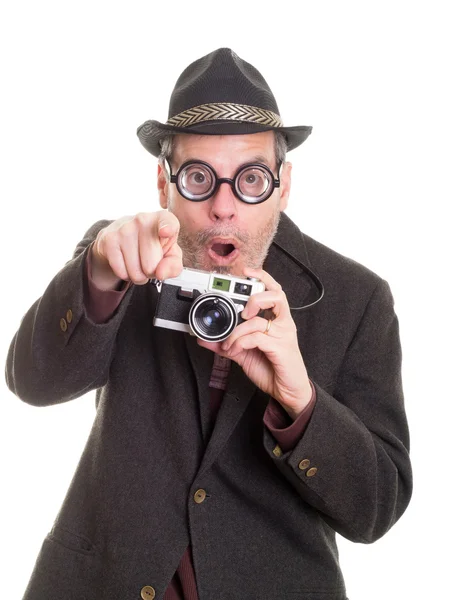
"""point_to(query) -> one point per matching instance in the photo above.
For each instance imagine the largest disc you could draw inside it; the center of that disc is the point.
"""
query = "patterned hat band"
(226, 111)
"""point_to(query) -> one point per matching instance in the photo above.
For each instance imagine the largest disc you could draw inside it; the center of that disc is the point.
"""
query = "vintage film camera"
(204, 304)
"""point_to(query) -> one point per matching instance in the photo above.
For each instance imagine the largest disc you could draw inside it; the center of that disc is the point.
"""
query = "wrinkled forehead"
(225, 151)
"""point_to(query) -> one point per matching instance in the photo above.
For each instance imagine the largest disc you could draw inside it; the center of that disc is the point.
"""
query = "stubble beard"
(253, 251)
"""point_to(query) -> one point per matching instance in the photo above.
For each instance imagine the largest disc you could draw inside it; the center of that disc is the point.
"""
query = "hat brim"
(151, 132)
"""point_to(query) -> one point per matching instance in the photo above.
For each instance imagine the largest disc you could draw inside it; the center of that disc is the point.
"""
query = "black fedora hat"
(220, 94)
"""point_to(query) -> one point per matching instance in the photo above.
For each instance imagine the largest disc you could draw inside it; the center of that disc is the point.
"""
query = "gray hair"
(167, 147)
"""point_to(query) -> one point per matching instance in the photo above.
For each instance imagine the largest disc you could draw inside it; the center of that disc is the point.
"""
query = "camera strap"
(310, 274)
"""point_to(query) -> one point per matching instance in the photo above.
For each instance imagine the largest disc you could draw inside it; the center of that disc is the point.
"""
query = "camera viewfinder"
(242, 288)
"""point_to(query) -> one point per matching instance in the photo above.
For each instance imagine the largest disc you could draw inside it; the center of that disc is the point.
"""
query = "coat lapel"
(235, 400)
(297, 286)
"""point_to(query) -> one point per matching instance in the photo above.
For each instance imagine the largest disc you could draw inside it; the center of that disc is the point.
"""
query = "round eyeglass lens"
(196, 181)
(254, 184)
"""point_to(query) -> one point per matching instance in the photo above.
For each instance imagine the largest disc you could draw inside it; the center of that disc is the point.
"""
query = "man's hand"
(137, 248)
(270, 357)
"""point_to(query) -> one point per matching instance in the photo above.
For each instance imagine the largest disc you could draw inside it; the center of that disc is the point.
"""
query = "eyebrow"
(257, 158)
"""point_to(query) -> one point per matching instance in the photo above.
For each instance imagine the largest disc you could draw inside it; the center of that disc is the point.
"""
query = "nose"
(223, 203)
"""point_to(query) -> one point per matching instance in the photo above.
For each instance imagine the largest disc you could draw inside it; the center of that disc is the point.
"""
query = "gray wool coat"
(265, 529)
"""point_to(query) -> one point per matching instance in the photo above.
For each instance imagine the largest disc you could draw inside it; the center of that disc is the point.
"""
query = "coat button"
(63, 324)
(199, 496)
(147, 592)
(277, 451)
(311, 472)
(69, 316)
(304, 464)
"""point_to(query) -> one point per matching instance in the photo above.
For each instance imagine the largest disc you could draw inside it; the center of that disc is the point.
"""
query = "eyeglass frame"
(219, 180)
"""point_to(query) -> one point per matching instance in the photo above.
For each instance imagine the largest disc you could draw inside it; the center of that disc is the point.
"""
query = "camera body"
(204, 304)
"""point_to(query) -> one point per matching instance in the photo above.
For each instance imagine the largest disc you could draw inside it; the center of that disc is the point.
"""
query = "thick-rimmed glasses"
(197, 181)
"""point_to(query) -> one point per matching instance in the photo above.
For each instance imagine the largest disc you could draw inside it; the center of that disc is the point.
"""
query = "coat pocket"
(72, 541)
(68, 566)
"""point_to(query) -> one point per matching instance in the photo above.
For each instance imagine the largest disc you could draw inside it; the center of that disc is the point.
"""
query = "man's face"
(222, 233)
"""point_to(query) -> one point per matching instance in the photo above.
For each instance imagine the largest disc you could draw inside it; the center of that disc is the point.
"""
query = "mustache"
(202, 237)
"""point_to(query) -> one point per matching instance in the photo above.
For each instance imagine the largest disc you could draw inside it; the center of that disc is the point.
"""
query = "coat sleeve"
(58, 353)
(352, 462)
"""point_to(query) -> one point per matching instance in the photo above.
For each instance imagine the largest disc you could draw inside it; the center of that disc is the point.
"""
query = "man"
(217, 469)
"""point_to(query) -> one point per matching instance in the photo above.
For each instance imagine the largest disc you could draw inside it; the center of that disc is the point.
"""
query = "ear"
(163, 187)
(285, 185)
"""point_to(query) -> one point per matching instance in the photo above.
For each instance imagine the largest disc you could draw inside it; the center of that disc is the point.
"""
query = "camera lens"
(213, 317)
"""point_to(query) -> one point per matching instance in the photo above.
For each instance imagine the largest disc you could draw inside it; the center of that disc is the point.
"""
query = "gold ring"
(269, 323)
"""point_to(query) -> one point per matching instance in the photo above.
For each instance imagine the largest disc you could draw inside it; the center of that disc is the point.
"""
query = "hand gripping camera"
(207, 305)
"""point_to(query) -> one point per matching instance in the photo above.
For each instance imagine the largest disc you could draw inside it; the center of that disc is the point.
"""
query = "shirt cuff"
(284, 430)
(100, 304)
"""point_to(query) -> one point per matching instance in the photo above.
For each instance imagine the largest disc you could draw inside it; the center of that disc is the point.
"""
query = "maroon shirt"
(100, 306)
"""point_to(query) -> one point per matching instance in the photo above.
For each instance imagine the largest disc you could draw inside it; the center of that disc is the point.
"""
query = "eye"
(251, 179)
(196, 180)
(253, 182)
(198, 177)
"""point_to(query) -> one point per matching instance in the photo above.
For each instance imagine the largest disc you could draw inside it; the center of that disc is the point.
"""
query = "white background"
(77, 80)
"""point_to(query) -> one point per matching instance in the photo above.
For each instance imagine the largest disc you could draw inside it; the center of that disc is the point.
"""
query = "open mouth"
(222, 249)
(223, 252)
